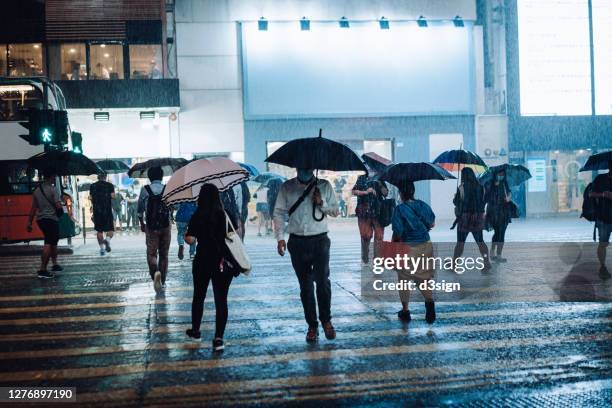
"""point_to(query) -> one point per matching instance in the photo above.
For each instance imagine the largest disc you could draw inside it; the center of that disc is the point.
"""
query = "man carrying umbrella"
(602, 190)
(306, 201)
(308, 243)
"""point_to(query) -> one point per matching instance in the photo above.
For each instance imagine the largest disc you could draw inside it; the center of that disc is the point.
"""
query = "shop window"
(2, 59)
(145, 61)
(25, 60)
(106, 61)
(73, 62)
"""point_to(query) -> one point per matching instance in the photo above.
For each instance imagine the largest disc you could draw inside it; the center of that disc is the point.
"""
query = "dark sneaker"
(57, 268)
(330, 332)
(404, 315)
(194, 334)
(107, 245)
(181, 253)
(45, 275)
(218, 345)
(430, 312)
(603, 273)
(312, 335)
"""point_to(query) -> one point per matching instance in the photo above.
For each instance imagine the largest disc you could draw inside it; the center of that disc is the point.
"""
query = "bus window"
(15, 100)
(17, 178)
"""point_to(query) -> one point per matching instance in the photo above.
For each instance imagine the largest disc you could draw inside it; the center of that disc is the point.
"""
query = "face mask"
(304, 175)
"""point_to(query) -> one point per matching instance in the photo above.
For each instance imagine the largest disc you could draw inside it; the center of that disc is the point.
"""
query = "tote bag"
(239, 258)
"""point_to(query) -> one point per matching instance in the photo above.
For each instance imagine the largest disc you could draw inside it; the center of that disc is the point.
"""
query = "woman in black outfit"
(497, 197)
(469, 204)
(208, 226)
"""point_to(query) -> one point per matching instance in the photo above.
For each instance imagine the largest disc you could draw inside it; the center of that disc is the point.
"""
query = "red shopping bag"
(387, 249)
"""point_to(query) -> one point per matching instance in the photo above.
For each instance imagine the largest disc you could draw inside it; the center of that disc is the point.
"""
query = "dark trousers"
(462, 236)
(203, 271)
(310, 260)
(499, 236)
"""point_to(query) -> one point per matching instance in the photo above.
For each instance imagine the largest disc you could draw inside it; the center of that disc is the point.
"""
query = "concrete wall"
(211, 118)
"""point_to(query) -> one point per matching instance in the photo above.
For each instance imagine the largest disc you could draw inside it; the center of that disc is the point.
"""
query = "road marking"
(256, 341)
(191, 365)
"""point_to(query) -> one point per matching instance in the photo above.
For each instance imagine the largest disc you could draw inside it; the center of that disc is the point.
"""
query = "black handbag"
(512, 209)
(385, 213)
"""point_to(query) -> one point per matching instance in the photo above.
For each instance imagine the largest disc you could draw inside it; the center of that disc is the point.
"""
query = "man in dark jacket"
(602, 190)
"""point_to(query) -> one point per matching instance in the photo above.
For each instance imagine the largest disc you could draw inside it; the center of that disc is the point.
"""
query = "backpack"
(589, 204)
(157, 214)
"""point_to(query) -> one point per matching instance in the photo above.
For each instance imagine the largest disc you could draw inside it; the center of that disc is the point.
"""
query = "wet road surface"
(100, 327)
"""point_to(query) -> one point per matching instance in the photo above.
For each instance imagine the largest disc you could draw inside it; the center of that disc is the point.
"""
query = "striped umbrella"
(185, 183)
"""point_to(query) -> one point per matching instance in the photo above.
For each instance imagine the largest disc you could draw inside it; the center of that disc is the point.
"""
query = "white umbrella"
(185, 183)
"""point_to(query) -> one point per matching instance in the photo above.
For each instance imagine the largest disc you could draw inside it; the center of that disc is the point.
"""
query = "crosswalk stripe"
(253, 341)
(274, 310)
(191, 365)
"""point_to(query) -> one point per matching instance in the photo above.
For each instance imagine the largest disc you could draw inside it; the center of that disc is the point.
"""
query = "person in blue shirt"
(411, 222)
(183, 216)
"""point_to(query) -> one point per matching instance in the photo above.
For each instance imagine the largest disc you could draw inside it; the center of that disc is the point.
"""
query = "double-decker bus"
(17, 181)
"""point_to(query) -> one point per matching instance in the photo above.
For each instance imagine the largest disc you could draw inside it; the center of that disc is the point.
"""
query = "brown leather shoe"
(330, 332)
(312, 335)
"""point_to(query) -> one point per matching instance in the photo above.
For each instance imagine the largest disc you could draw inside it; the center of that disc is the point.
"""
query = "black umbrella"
(111, 166)
(64, 163)
(455, 160)
(400, 173)
(317, 153)
(599, 161)
(515, 174)
(168, 165)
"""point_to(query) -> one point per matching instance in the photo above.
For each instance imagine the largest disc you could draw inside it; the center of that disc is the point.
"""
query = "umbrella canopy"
(271, 181)
(515, 174)
(317, 153)
(376, 161)
(111, 166)
(266, 176)
(168, 165)
(455, 160)
(250, 168)
(185, 183)
(64, 163)
(400, 173)
(599, 161)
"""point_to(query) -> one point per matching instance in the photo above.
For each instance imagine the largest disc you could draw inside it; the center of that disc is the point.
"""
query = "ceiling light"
(102, 45)
(106, 55)
(72, 50)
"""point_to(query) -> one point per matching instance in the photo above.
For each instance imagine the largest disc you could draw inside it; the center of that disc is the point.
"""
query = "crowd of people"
(300, 207)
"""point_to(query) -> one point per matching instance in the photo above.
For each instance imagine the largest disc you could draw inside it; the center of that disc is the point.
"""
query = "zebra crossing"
(99, 327)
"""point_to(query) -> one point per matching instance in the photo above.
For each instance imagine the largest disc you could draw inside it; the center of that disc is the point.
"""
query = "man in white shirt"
(308, 243)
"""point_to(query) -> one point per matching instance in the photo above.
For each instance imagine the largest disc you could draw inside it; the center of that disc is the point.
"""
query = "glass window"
(17, 178)
(146, 61)
(106, 61)
(2, 59)
(15, 100)
(25, 60)
(73, 62)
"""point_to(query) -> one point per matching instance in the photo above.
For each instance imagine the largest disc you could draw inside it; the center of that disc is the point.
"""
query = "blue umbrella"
(265, 176)
(250, 168)
(515, 174)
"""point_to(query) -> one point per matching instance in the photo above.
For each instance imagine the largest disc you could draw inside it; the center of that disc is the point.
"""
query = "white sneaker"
(157, 281)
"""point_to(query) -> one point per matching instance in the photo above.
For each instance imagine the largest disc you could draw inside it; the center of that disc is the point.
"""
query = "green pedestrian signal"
(77, 142)
(46, 136)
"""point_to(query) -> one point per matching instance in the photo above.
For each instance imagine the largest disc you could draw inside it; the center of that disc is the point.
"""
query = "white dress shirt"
(301, 222)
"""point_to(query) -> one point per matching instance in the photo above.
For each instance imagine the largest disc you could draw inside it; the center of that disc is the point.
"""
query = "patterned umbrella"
(455, 160)
(168, 165)
(185, 183)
